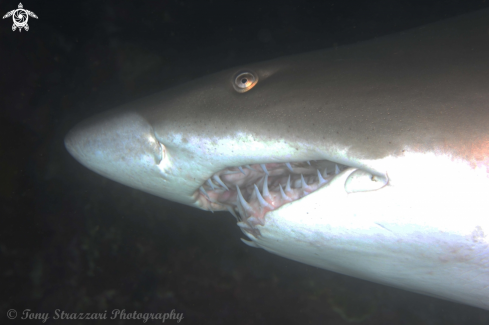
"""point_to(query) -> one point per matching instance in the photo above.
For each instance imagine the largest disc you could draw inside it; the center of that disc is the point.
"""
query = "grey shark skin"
(405, 117)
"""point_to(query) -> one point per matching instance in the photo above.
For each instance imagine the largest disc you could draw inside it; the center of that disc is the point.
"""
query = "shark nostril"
(160, 153)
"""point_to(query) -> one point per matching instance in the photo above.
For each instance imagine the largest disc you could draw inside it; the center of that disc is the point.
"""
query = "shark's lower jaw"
(249, 192)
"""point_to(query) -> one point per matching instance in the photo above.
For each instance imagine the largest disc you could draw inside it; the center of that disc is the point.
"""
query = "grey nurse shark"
(370, 160)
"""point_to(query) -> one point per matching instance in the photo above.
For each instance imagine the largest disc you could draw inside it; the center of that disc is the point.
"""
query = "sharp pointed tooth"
(289, 166)
(210, 208)
(240, 210)
(244, 225)
(231, 210)
(205, 193)
(306, 189)
(209, 182)
(250, 243)
(284, 196)
(336, 169)
(218, 180)
(287, 187)
(262, 201)
(321, 179)
(264, 168)
(241, 170)
(243, 202)
(249, 167)
(308, 162)
(265, 191)
(325, 172)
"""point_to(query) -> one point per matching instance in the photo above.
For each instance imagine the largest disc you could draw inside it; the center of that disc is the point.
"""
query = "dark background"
(75, 241)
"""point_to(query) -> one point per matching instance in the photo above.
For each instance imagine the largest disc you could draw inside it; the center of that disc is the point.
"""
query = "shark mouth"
(249, 192)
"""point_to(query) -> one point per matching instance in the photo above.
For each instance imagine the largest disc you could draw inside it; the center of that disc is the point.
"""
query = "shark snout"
(118, 144)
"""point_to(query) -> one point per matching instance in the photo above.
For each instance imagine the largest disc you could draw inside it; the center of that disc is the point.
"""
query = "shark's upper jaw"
(122, 145)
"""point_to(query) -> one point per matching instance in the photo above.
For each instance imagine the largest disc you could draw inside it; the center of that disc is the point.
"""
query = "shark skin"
(371, 160)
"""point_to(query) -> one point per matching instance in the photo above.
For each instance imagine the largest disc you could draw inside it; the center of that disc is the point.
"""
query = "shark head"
(370, 160)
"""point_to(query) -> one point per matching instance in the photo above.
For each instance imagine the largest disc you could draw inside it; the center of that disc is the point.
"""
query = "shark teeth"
(284, 196)
(205, 193)
(219, 181)
(249, 192)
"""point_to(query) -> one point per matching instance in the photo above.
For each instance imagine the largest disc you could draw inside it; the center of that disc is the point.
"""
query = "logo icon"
(20, 17)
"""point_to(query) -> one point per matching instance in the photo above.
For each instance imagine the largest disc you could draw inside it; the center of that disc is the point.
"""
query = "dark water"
(73, 241)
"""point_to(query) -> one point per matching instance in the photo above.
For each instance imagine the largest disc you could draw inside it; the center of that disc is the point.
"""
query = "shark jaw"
(251, 191)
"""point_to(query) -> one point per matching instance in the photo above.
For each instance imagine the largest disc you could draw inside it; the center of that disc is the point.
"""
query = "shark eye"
(244, 81)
